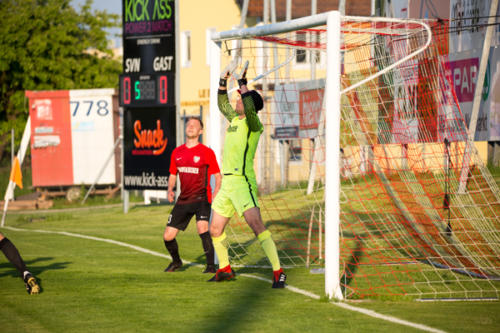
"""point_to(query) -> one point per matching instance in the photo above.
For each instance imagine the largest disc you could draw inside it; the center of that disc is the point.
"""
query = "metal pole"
(179, 125)
(215, 137)
(312, 53)
(271, 154)
(332, 186)
(264, 148)
(125, 193)
(244, 10)
(284, 146)
(12, 147)
(342, 7)
(482, 70)
(9, 193)
(112, 154)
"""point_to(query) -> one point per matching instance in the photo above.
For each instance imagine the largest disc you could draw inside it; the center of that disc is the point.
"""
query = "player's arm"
(224, 106)
(172, 178)
(213, 169)
(253, 120)
(218, 180)
(171, 184)
(222, 99)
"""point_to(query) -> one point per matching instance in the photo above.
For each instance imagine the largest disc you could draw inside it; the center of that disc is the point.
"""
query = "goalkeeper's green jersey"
(242, 136)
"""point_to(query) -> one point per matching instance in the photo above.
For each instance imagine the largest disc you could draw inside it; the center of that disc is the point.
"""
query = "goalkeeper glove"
(242, 80)
(226, 72)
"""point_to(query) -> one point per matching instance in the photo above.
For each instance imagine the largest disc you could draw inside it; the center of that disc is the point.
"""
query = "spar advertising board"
(468, 20)
(72, 136)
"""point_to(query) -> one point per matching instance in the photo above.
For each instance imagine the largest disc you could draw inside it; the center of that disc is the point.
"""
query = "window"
(186, 49)
(300, 55)
(316, 39)
(311, 39)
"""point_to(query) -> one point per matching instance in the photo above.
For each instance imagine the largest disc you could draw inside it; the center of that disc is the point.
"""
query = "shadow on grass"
(351, 265)
(33, 266)
(241, 308)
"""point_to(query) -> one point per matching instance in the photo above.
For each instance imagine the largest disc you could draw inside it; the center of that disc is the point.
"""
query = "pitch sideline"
(343, 305)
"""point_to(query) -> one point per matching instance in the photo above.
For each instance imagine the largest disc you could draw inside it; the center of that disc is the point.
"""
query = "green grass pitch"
(94, 286)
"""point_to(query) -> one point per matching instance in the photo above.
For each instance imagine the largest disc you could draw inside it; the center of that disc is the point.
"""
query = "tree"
(46, 45)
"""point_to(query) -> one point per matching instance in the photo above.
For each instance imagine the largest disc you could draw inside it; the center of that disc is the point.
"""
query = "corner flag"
(15, 174)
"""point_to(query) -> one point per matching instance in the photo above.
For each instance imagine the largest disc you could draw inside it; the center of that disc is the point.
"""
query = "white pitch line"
(343, 305)
(392, 319)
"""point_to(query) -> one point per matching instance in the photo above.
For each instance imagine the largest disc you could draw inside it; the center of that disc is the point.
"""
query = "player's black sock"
(208, 247)
(173, 249)
(13, 255)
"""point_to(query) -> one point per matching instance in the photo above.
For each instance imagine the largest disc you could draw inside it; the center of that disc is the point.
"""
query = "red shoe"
(223, 274)
(279, 279)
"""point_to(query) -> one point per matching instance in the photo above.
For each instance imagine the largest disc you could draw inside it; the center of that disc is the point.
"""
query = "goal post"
(332, 160)
(376, 142)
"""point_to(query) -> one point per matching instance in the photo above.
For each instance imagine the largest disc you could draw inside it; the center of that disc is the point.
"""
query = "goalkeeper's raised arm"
(222, 99)
(247, 105)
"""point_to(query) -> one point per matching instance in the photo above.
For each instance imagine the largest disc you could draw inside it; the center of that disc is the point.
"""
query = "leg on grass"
(172, 248)
(207, 244)
(12, 254)
(254, 220)
(225, 272)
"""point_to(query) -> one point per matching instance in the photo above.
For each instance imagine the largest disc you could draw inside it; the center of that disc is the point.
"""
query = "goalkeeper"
(239, 186)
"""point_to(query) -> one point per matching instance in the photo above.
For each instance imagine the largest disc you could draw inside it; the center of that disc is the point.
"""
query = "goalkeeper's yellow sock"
(267, 243)
(221, 250)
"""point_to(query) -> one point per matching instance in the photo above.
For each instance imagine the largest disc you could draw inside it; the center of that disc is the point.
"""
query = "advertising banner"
(464, 67)
(72, 137)
(298, 109)
(491, 105)
(93, 135)
(50, 138)
(149, 137)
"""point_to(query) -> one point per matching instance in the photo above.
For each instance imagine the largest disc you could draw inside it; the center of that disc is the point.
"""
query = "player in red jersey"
(195, 163)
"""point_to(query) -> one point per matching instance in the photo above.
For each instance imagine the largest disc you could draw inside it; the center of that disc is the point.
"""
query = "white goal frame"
(332, 105)
(332, 118)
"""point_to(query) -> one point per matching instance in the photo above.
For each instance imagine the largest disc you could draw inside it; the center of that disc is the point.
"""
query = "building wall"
(196, 17)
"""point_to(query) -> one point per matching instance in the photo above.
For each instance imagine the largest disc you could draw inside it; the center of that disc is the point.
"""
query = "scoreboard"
(147, 92)
(149, 64)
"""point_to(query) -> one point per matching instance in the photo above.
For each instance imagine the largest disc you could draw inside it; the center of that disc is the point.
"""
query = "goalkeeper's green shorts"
(237, 193)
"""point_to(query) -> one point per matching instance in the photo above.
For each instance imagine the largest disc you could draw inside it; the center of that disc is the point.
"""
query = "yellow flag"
(15, 173)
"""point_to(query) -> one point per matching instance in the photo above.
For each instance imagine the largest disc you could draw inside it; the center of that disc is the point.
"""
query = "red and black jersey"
(195, 165)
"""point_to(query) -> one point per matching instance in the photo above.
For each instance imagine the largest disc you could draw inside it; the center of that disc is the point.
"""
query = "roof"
(301, 8)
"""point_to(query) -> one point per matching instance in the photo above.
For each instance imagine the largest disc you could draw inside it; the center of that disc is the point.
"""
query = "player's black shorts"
(182, 213)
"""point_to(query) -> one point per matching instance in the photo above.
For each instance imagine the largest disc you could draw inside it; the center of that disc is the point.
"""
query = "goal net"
(419, 210)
